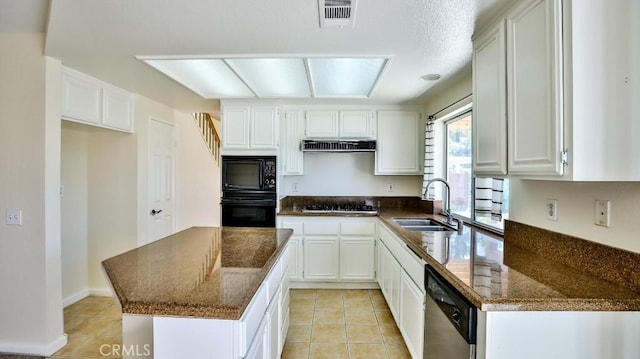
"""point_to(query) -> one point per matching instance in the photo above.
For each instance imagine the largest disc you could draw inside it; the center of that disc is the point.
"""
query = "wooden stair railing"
(209, 134)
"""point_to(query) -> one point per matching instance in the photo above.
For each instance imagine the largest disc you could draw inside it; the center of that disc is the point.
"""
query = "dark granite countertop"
(513, 273)
(206, 272)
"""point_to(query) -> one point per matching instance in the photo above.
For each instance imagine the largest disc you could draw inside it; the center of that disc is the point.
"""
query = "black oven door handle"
(249, 202)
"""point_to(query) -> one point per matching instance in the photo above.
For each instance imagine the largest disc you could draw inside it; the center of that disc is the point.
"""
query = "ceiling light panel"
(273, 77)
(209, 78)
(345, 77)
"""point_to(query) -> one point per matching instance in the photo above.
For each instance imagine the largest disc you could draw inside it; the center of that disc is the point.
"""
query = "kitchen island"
(204, 290)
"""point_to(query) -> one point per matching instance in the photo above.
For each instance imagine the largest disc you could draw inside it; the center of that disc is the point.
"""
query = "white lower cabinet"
(331, 249)
(402, 285)
(321, 258)
(389, 278)
(259, 346)
(412, 299)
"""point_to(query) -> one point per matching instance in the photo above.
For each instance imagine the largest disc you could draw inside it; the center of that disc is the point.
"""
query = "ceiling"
(103, 37)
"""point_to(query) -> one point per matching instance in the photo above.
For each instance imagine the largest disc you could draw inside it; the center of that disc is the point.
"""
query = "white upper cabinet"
(291, 157)
(534, 88)
(571, 91)
(249, 129)
(88, 100)
(343, 124)
(517, 86)
(400, 144)
(490, 107)
(321, 124)
(117, 108)
(357, 124)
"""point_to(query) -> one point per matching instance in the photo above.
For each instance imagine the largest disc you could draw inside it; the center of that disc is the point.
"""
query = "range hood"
(337, 146)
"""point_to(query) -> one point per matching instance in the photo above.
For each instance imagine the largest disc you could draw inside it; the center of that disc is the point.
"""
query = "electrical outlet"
(552, 209)
(14, 217)
(390, 187)
(602, 213)
(294, 187)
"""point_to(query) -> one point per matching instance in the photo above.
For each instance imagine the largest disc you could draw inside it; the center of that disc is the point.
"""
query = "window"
(464, 197)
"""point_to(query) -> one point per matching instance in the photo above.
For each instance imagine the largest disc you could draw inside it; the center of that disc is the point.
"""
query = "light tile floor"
(342, 324)
(94, 329)
(329, 324)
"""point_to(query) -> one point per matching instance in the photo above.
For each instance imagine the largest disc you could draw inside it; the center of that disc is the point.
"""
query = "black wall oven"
(248, 191)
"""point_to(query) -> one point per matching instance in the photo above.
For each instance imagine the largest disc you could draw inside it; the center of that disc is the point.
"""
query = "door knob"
(154, 212)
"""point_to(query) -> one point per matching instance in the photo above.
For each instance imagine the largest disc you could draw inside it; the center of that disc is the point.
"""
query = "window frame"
(446, 120)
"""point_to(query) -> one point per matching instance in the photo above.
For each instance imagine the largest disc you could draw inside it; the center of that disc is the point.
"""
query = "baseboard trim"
(76, 297)
(34, 349)
(101, 292)
(333, 285)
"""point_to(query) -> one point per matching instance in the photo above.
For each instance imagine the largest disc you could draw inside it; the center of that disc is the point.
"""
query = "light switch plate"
(14, 217)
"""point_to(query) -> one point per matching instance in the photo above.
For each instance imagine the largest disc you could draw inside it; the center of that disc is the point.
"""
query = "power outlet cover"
(552, 209)
(602, 209)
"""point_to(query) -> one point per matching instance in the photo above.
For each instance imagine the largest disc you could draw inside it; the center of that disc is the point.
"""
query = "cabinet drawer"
(332, 228)
(358, 228)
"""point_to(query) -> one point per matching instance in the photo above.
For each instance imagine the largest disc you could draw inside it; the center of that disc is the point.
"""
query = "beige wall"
(575, 199)
(105, 205)
(198, 179)
(31, 303)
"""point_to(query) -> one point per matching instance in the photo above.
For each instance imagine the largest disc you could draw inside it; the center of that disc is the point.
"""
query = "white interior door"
(161, 180)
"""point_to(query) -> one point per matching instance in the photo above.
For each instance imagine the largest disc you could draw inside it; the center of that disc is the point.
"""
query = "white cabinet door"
(273, 332)
(357, 259)
(490, 103)
(321, 258)
(295, 258)
(235, 127)
(81, 97)
(291, 157)
(389, 271)
(264, 128)
(117, 109)
(411, 314)
(356, 124)
(534, 87)
(321, 124)
(259, 345)
(400, 145)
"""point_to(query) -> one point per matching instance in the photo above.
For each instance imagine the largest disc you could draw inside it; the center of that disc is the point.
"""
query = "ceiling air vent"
(337, 13)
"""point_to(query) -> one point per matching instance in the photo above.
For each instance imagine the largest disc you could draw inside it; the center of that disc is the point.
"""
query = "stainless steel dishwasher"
(450, 321)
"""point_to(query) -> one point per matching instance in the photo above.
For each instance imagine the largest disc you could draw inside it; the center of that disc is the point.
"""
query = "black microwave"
(249, 173)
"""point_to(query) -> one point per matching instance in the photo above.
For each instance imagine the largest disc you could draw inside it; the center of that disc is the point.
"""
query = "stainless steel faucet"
(447, 207)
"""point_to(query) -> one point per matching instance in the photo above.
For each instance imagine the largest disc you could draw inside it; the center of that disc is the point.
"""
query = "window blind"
(488, 197)
(429, 157)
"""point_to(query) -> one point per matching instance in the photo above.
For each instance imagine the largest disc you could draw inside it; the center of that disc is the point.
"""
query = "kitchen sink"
(415, 222)
(421, 225)
(426, 228)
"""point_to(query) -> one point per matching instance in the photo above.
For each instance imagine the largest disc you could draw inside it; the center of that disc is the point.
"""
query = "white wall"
(74, 209)
(31, 301)
(347, 174)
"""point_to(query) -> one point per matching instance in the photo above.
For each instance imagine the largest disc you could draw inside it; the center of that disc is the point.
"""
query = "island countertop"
(205, 272)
